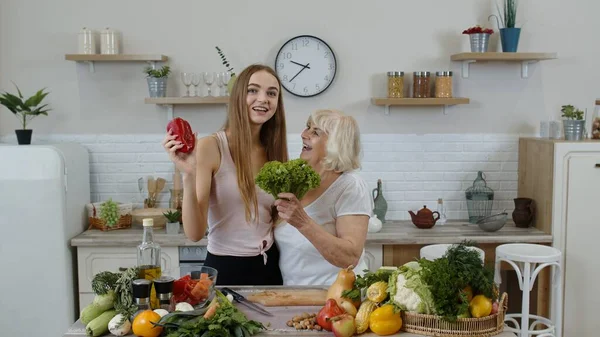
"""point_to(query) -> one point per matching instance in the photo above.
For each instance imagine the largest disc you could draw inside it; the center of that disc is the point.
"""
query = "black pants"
(241, 271)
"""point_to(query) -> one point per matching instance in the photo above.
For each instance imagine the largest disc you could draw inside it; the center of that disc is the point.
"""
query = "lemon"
(480, 306)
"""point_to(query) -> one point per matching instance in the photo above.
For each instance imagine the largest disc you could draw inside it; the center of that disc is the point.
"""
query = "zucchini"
(99, 325)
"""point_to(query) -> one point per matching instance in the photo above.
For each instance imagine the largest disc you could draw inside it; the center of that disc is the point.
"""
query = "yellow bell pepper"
(384, 321)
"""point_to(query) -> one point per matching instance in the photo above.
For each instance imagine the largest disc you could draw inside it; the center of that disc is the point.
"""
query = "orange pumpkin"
(142, 324)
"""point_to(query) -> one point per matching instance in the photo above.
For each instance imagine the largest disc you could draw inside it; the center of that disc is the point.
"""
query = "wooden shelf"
(91, 58)
(169, 102)
(116, 58)
(186, 100)
(524, 58)
(598, 102)
(433, 101)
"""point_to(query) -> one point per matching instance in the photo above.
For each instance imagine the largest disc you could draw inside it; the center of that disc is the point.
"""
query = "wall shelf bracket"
(152, 64)
(169, 111)
(525, 68)
(465, 68)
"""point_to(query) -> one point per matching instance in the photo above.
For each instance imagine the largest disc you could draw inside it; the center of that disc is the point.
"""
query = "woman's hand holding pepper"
(291, 210)
(185, 162)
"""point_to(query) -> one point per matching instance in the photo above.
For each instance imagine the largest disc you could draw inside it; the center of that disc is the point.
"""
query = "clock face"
(305, 65)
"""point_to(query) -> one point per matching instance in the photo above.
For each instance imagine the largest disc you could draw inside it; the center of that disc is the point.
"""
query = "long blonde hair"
(272, 136)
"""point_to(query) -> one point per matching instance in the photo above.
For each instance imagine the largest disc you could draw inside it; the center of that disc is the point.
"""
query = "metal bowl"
(493, 223)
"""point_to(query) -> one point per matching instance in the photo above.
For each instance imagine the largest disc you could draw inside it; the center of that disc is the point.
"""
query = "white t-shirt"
(300, 262)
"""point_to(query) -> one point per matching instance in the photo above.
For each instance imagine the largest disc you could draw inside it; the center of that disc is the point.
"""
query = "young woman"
(327, 229)
(218, 182)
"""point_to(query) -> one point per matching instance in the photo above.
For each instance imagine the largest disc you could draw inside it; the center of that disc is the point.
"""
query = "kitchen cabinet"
(92, 260)
(563, 178)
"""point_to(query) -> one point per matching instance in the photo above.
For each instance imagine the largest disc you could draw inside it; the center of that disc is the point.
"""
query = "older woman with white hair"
(327, 229)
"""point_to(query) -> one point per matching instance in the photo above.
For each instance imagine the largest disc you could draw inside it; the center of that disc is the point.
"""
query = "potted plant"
(509, 34)
(25, 110)
(157, 80)
(479, 38)
(229, 69)
(574, 123)
(173, 221)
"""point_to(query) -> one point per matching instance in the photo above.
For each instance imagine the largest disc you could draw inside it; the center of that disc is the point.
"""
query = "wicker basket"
(432, 325)
(125, 219)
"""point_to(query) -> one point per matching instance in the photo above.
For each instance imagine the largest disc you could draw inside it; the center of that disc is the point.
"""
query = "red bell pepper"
(182, 129)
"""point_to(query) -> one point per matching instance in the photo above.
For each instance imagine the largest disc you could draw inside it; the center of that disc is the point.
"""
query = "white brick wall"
(416, 170)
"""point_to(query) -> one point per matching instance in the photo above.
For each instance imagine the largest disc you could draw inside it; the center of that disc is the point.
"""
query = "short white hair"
(343, 142)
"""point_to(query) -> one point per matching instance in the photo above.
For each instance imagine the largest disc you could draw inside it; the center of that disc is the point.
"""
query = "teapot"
(424, 218)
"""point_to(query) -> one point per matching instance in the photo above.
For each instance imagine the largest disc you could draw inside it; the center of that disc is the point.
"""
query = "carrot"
(200, 290)
(212, 309)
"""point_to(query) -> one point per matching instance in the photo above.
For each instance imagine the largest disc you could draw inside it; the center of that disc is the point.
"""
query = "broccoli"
(294, 176)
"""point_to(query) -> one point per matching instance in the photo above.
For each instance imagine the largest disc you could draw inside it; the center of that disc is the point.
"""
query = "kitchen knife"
(242, 300)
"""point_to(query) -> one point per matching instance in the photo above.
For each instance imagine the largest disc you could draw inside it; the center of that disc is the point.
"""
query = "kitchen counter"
(392, 233)
(78, 330)
(276, 324)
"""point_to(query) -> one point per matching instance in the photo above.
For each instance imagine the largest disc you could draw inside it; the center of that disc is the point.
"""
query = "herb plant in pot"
(479, 38)
(509, 35)
(157, 80)
(574, 123)
(173, 221)
(25, 110)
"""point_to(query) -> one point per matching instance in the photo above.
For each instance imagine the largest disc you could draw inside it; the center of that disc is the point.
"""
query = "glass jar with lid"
(443, 84)
(421, 84)
(395, 84)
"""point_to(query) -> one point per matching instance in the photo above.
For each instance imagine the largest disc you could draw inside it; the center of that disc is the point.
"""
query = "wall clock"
(306, 65)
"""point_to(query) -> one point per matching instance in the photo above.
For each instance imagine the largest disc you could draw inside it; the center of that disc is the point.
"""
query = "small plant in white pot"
(157, 80)
(573, 122)
(172, 221)
(25, 110)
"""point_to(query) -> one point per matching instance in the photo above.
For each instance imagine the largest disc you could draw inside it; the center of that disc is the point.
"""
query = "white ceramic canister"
(109, 42)
(86, 41)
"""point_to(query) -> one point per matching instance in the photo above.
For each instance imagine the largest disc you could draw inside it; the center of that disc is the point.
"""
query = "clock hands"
(303, 67)
(300, 64)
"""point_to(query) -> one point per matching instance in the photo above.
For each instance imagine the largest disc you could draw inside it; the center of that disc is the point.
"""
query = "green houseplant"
(573, 122)
(509, 34)
(157, 80)
(229, 69)
(25, 110)
(173, 218)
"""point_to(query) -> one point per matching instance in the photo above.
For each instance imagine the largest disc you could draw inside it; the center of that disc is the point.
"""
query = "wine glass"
(196, 83)
(187, 81)
(209, 79)
(220, 83)
(226, 77)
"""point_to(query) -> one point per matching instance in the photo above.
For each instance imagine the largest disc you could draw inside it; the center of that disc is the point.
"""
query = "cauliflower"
(408, 291)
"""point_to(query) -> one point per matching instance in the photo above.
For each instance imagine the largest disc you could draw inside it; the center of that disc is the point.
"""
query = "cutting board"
(293, 297)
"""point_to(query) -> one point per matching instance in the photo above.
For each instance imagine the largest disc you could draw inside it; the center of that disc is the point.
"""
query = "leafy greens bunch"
(448, 276)
(226, 321)
(294, 176)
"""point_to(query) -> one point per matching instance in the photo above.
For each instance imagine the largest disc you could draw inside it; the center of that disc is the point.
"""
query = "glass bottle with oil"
(148, 259)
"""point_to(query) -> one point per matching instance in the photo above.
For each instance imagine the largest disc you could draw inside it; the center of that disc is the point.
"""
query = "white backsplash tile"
(416, 170)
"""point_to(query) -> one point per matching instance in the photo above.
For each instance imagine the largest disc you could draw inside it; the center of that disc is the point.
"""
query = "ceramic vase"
(524, 212)
(380, 202)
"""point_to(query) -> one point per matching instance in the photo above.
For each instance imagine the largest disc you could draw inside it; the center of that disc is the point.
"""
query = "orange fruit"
(480, 306)
(142, 324)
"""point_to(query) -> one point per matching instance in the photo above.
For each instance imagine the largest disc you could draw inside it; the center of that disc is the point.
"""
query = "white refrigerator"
(43, 192)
